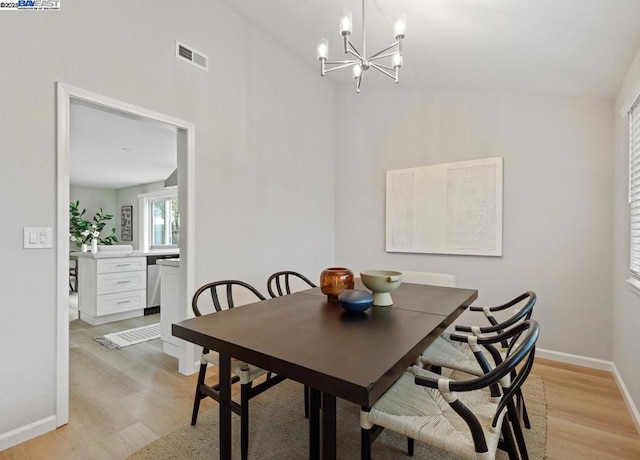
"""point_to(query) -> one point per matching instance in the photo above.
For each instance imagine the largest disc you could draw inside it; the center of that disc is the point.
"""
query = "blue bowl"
(355, 301)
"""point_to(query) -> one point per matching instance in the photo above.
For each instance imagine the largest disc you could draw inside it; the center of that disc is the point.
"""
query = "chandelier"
(362, 63)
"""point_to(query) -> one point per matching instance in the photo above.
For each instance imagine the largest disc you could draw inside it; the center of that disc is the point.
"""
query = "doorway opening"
(185, 147)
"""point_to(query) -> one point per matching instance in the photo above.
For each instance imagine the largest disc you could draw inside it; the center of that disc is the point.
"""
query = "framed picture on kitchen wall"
(126, 223)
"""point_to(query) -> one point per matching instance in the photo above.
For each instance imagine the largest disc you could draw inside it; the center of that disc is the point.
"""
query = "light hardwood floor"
(123, 400)
(586, 415)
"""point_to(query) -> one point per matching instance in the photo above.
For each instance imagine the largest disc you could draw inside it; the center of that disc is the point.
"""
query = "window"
(164, 222)
(634, 188)
(160, 228)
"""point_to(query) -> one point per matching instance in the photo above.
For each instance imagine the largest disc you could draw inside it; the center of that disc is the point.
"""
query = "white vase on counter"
(94, 245)
(83, 247)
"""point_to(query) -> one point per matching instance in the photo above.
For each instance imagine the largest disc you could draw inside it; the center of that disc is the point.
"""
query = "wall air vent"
(187, 53)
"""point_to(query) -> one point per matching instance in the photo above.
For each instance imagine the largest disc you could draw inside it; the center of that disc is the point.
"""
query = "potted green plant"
(83, 231)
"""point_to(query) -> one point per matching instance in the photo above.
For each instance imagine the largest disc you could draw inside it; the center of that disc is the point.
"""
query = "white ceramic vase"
(94, 245)
(83, 248)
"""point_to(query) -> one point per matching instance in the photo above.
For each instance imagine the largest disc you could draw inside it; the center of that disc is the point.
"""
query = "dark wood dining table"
(302, 336)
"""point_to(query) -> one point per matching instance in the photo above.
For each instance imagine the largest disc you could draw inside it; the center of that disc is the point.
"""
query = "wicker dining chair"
(434, 279)
(458, 416)
(227, 294)
(279, 283)
(441, 354)
(458, 355)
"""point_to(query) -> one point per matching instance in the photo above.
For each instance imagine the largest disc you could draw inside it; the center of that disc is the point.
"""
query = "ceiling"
(112, 149)
(579, 48)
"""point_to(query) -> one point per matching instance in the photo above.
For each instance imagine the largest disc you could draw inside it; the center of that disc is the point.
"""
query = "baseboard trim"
(26, 432)
(600, 364)
(577, 360)
(633, 409)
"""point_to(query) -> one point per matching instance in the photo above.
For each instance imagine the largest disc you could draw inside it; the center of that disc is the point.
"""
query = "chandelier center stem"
(364, 28)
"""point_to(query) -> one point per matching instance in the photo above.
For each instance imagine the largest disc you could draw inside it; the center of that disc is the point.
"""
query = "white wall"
(557, 197)
(92, 199)
(264, 181)
(129, 197)
(626, 303)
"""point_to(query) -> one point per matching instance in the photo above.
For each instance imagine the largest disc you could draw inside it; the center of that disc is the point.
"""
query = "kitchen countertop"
(169, 262)
(136, 253)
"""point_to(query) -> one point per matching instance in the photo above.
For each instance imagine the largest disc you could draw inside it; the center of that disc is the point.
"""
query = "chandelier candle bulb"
(357, 71)
(399, 26)
(323, 49)
(397, 61)
(346, 23)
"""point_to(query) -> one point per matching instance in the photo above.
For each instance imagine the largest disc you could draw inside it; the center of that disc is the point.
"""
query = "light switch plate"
(38, 237)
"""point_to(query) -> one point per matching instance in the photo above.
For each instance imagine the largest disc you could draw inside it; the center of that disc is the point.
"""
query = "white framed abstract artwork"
(450, 208)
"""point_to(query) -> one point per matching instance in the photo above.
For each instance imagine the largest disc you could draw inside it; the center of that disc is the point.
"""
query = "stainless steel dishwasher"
(153, 282)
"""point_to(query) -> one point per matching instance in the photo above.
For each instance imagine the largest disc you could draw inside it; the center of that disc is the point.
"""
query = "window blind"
(634, 188)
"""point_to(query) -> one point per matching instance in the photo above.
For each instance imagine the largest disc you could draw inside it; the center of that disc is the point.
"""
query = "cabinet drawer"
(122, 264)
(109, 283)
(121, 302)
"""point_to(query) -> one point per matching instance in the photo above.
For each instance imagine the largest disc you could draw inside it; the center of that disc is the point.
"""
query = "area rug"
(118, 340)
(279, 430)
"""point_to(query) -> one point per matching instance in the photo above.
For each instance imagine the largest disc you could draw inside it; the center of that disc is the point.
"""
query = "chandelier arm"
(349, 61)
(381, 66)
(377, 55)
(353, 50)
(356, 54)
(382, 69)
(339, 65)
(382, 56)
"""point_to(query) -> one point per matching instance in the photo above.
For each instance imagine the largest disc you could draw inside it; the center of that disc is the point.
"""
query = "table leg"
(314, 424)
(329, 450)
(224, 406)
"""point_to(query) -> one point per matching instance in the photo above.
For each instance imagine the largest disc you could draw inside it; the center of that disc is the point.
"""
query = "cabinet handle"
(123, 282)
(123, 265)
(123, 301)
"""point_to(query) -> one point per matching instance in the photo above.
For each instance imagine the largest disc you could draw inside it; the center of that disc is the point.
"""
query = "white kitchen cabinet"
(111, 289)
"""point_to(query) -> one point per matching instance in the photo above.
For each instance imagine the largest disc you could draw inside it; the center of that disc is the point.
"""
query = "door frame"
(186, 197)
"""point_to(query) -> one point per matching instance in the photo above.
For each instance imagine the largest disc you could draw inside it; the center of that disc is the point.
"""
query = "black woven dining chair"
(456, 415)
(279, 283)
(223, 295)
(458, 355)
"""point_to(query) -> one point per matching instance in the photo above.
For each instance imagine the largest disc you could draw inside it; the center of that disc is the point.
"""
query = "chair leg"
(198, 397)
(522, 409)
(306, 401)
(509, 442)
(365, 444)
(244, 420)
(517, 430)
(410, 446)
